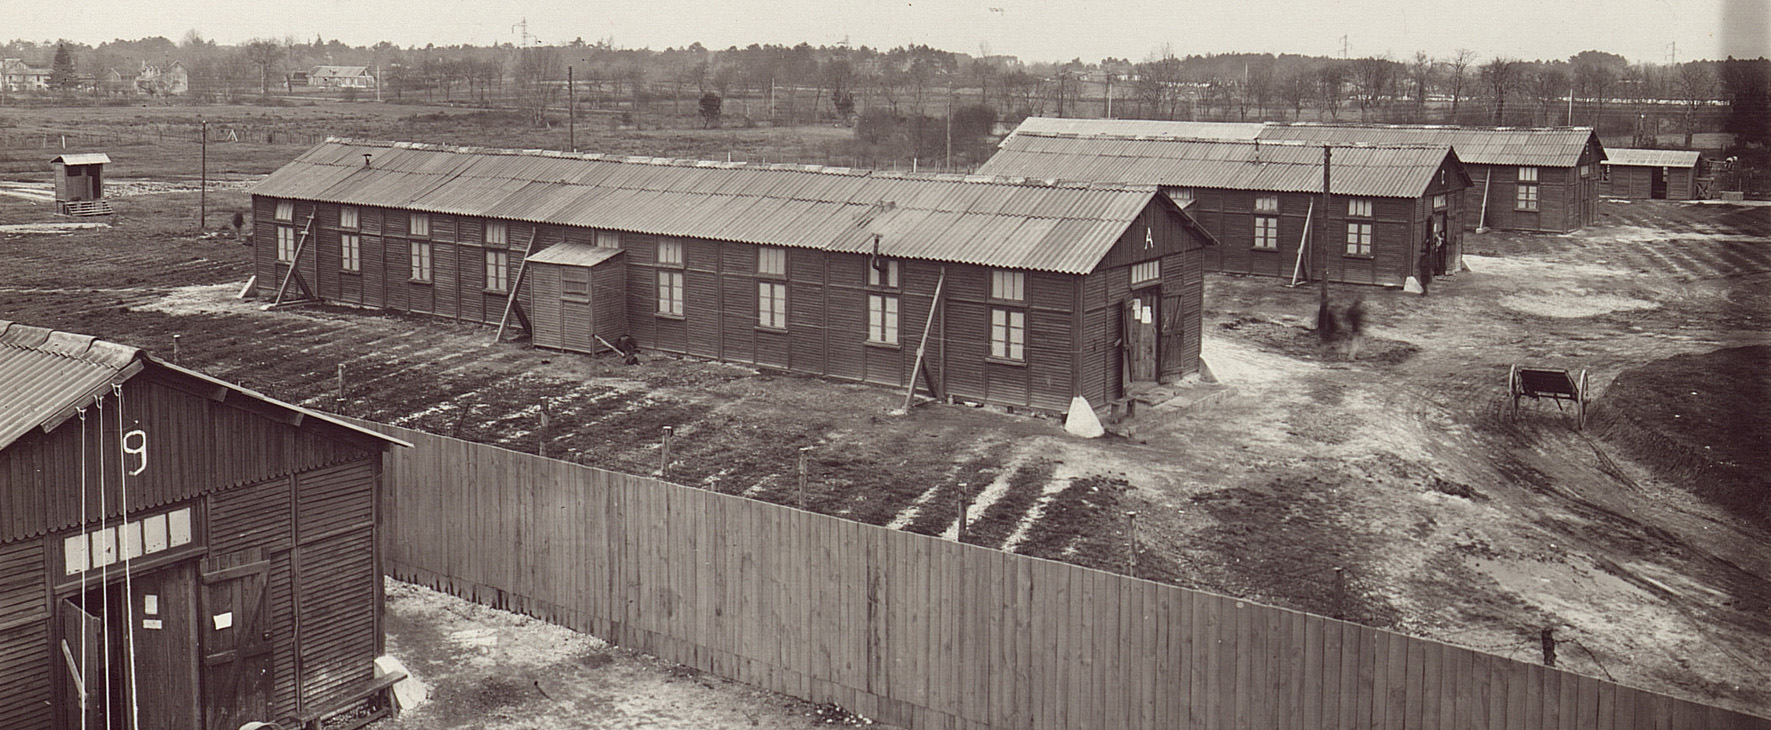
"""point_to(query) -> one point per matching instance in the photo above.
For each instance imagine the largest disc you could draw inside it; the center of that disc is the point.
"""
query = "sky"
(1034, 30)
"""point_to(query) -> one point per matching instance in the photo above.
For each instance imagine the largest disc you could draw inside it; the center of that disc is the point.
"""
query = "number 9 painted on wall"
(139, 448)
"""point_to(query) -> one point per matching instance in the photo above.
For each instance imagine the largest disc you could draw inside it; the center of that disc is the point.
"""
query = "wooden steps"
(80, 208)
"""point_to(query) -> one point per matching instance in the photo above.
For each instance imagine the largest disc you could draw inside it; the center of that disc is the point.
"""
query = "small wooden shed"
(178, 550)
(1651, 174)
(577, 296)
(79, 184)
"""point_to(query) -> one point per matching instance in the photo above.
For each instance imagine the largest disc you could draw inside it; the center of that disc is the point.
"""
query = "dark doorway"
(1141, 313)
(129, 651)
(1657, 183)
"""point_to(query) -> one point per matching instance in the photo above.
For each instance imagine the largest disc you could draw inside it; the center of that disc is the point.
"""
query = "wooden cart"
(1555, 385)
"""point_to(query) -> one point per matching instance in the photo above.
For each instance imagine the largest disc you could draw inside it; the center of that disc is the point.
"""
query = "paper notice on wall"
(224, 620)
(151, 623)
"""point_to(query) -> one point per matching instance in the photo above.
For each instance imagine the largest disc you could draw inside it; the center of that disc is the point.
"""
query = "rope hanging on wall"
(128, 578)
(85, 656)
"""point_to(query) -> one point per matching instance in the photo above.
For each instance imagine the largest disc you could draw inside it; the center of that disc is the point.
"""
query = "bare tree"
(1596, 83)
(537, 71)
(1696, 86)
(1421, 72)
(1373, 77)
(1501, 77)
(1546, 85)
(1457, 76)
(267, 55)
(1295, 88)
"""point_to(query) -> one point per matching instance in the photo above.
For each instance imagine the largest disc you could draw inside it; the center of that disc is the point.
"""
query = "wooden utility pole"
(203, 176)
(1322, 242)
(571, 111)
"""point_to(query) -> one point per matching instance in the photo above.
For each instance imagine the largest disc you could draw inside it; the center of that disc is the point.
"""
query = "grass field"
(1403, 468)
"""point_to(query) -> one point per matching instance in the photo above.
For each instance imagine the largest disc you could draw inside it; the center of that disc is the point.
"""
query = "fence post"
(175, 349)
(1548, 639)
(1131, 544)
(963, 497)
(1340, 593)
(341, 382)
(802, 477)
(541, 434)
(664, 458)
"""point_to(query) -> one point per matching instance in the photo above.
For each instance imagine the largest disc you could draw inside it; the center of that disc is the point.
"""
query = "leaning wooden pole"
(295, 262)
(1297, 269)
(510, 297)
(922, 349)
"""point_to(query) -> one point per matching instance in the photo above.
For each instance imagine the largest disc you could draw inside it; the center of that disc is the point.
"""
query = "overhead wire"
(123, 535)
(86, 538)
(104, 573)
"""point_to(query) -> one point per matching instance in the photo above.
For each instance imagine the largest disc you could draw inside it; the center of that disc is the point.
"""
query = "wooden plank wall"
(927, 633)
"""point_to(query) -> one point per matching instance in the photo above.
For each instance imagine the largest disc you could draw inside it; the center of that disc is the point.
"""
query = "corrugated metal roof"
(1140, 127)
(1396, 171)
(1651, 158)
(1537, 146)
(961, 219)
(48, 374)
(1542, 146)
(82, 158)
(574, 254)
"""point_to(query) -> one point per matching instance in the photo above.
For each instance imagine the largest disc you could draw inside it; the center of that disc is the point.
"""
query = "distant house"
(116, 83)
(1651, 174)
(169, 79)
(341, 77)
(1396, 213)
(16, 76)
(1016, 293)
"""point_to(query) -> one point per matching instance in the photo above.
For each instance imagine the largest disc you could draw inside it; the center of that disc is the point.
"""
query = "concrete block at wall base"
(409, 692)
(1412, 286)
(1082, 421)
(251, 289)
(1205, 373)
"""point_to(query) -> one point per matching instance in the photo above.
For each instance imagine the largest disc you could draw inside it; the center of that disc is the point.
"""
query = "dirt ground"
(1447, 517)
(476, 667)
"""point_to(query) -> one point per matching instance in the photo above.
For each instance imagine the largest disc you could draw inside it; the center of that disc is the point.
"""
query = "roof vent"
(366, 157)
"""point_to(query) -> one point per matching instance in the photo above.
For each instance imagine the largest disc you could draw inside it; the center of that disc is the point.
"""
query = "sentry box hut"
(1009, 292)
(175, 551)
(1651, 174)
(1395, 213)
(1524, 178)
(79, 184)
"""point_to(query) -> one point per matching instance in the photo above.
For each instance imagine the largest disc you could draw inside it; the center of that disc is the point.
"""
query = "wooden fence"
(928, 633)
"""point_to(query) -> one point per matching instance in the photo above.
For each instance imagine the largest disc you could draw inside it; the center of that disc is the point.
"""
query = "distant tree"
(711, 104)
(1501, 77)
(1697, 87)
(267, 55)
(1296, 88)
(1457, 76)
(1596, 83)
(844, 101)
(1422, 71)
(1331, 88)
(62, 75)
(537, 71)
(1746, 85)
(1373, 78)
(876, 126)
(1546, 84)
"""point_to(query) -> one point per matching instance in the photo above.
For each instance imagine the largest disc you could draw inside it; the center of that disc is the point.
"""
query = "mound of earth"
(1699, 420)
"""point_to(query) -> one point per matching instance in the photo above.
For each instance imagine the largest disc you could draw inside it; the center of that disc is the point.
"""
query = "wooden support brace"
(294, 264)
(1297, 269)
(922, 349)
(510, 300)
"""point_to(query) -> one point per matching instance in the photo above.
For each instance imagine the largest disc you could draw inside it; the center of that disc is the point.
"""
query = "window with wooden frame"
(1527, 174)
(285, 212)
(1266, 203)
(348, 217)
(1586, 171)
(1008, 334)
(1526, 197)
(1358, 239)
(497, 233)
(350, 252)
(771, 305)
(670, 252)
(285, 244)
(1008, 286)
(1180, 195)
(882, 272)
(1266, 232)
(418, 224)
(608, 239)
(771, 261)
(421, 261)
(1440, 202)
(497, 271)
(1145, 272)
(882, 319)
(1359, 207)
(670, 293)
